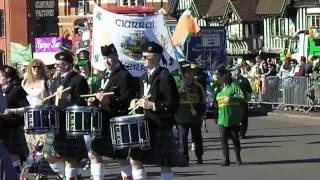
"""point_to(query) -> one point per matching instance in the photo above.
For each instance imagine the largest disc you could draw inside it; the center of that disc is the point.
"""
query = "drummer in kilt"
(121, 83)
(64, 153)
(11, 130)
(160, 103)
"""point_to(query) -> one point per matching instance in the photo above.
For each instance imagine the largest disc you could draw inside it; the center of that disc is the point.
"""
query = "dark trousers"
(196, 137)
(233, 133)
(244, 123)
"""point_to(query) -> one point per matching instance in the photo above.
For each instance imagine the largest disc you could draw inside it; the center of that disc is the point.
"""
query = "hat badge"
(150, 48)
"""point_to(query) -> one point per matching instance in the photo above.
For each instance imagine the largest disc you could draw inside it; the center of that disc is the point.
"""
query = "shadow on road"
(315, 142)
(265, 142)
(297, 161)
(243, 147)
(282, 135)
(182, 174)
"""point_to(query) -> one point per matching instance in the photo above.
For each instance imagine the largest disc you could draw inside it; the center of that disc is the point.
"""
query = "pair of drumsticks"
(61, 90)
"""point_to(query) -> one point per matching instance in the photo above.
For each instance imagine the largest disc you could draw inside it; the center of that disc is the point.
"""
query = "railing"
(283, 92)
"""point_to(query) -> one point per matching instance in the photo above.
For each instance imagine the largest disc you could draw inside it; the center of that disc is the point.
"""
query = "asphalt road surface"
(278, 147)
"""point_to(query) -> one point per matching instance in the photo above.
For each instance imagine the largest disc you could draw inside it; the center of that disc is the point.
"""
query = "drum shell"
(129, 132)
(41, 119)
(83, 120)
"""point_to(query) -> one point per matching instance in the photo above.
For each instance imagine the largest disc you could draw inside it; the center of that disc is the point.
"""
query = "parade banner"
(129, 34)
(20, 54)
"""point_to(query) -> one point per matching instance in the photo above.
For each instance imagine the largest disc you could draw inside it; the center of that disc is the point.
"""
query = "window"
(313, 20)
(2, 19)
(83, 7)
(278, 27)
(235, 31)
(131, 2)
(2, 58)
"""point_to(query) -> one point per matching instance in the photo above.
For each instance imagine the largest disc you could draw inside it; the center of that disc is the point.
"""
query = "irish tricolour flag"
(186, 25)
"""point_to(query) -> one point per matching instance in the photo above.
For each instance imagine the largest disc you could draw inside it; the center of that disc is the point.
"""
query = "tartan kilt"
(103, 145)
(14, 141)
(165, 149)
(61, 146)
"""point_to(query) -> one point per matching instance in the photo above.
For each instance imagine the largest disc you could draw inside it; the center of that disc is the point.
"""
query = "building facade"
(23, 20)
(13, 26)
(244, 30)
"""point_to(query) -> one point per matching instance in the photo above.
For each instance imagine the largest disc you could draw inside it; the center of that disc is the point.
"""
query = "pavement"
(278, 146)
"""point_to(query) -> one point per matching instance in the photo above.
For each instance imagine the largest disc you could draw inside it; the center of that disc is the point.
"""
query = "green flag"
(20, 54)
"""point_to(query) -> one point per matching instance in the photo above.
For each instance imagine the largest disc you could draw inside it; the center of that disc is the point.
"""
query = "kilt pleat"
(14, 141)
(60, 145)
(165, 149)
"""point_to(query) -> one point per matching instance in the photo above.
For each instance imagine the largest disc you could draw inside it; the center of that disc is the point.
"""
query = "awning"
(238, 47)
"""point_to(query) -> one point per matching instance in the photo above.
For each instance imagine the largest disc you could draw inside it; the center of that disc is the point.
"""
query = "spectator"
(310, 93)
(272, 70)
(285, 69)
(307, 67)
(294, 70)
(245, 68)
(254, 69)
(264, 67)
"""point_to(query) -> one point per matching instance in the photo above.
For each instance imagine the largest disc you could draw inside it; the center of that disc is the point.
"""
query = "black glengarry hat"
(108, 49)
(64, 56)
(152, 47)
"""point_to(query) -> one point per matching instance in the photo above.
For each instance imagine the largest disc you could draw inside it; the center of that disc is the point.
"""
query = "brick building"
(13, 26)
(23, 20)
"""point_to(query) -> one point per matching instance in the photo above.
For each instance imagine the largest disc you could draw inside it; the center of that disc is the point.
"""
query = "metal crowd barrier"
(284, 91)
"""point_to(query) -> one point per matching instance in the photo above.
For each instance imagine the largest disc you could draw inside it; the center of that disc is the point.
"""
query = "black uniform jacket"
(79, 86)
(122, 84)
(16, 98)
(164, 93)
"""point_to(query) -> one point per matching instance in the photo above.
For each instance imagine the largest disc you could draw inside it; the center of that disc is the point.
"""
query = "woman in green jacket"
(230, 113)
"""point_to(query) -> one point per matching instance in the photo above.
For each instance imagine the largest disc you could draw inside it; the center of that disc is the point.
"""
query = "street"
(277, 147)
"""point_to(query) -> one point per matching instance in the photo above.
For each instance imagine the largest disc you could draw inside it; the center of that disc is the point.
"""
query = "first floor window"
(313, 20)
(2, 19)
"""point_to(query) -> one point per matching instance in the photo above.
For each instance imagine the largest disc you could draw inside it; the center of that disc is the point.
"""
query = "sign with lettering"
(46, 48)
(129, 34)
(208, 46)
(44, 8)
(50, 44)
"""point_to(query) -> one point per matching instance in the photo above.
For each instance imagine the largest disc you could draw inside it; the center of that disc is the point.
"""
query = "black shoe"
(239, 161)
(225, 163)
(199, 160)
(243, 136)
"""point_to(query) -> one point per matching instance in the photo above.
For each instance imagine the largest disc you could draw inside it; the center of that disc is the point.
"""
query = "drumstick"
(136, 107)
(92, 95)
(53, 95)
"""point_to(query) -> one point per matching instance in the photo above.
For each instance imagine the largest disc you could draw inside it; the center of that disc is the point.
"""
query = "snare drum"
(131, 131)
(41, 119)
(83, 120)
